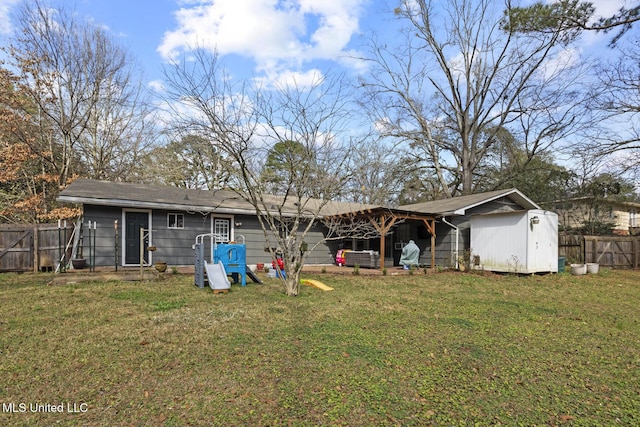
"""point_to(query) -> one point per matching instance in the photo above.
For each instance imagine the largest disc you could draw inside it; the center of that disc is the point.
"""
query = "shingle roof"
(459, 205)
(106, 193)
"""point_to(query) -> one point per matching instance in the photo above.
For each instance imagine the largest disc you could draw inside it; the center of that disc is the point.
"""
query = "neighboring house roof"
(460, 205)
(591, 199)
(122, 194)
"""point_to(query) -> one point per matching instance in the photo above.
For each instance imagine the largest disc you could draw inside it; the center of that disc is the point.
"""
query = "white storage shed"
(517, 242)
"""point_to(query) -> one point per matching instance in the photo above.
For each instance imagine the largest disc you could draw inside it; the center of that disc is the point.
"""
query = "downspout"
(444, 219)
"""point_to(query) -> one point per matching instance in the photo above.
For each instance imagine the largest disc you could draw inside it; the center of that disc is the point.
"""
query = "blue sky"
(272, 39)
(267, 38)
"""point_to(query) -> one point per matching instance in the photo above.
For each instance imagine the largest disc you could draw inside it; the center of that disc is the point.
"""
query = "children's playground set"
(230, 259)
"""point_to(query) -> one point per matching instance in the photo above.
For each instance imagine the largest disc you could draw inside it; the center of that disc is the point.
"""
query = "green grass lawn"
(439, 349)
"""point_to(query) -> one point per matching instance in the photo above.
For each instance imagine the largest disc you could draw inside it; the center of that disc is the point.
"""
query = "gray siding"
(257, 246)
(174, 246)
(249, 228)
(446, 241)
(104, 234)
(504, 204)
(322, 254)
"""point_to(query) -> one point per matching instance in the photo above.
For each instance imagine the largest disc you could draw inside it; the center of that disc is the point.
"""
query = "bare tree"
(618, 103)
(91, 110)
(186, 162)
(459, 79)
(378, 173)
(245, 123)
(119, 130)
(612, 141)
(21, 177)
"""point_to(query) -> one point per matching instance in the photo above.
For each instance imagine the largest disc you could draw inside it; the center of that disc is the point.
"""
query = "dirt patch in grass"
(438, 349)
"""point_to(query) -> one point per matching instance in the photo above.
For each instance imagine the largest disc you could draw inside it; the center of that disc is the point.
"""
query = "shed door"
(134, 221)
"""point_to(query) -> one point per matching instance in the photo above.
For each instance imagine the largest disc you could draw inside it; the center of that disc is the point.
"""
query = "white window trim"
(176, 214)
(215, 216)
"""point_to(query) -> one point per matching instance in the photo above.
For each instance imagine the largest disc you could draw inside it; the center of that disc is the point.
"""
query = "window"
(633, 218)
(222, 227)
(175, 220)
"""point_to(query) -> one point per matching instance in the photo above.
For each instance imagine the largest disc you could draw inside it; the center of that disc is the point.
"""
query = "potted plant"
(79, 263)
(161, 266)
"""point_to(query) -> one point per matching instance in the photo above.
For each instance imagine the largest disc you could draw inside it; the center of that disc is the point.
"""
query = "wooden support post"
(382, 245)
(433, 251)
(431, 227)
(383, 228)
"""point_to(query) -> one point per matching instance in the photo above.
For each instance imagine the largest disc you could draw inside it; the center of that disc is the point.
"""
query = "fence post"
(64, 256)
(141, 252)
(89, 245)
(93, 245)
(36, 249)
(58, 268)
(585, 248)
(115, 240)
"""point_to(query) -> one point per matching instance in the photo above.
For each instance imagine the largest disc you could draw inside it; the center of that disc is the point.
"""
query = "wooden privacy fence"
(610, 251)
(571, 247)
(33, 247)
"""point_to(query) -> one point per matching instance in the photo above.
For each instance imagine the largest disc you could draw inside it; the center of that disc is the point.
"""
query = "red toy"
(341, 257)
(280, 264)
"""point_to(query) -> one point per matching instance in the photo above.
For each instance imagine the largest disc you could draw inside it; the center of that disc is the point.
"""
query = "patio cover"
(383, 219)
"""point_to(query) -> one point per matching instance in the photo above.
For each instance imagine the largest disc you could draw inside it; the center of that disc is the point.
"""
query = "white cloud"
(290, 79)
(603, 7)
(5, 21)
(156, 86)
(608, 7)
(276, 34)
(559, 63)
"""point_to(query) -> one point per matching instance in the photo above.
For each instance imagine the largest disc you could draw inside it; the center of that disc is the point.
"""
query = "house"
(172, 218)
(598, 216)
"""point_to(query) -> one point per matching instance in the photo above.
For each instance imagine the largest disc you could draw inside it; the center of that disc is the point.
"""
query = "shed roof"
(460, 205)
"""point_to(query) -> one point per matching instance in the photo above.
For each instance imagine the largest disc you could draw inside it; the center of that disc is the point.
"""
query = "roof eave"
(523, 200)
(136, 204)
(149, 205)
